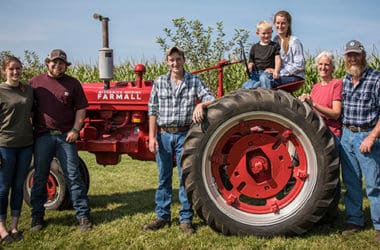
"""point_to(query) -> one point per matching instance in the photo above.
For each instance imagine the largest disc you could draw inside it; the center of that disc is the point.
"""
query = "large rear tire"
(262, 163)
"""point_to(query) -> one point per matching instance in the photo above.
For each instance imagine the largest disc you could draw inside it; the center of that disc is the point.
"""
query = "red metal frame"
(117, 122)
(219, 66)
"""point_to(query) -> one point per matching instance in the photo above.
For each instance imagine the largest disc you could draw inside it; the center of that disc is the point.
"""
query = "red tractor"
(262, 162)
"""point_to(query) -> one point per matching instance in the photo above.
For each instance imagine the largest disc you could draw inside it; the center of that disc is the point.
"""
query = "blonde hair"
(263, 25)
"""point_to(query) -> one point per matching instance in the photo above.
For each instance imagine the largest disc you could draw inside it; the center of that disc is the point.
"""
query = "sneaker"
(37, 223)
(352, 229)
(377, 236)
(84, 224)
(187, 228)
(156, 225)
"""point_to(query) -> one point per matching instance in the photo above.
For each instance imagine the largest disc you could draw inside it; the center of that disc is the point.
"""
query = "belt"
(173, 130)
(358, 129)
(55, 132)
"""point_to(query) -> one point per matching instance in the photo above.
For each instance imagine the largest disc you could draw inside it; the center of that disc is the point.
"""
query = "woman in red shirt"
(326, 95)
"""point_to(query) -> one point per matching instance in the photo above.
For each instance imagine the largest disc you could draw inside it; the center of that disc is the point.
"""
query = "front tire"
(262, 163)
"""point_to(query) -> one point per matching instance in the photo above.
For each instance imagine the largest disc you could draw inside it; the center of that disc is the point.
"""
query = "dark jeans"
(13, 171)
(286, 79)
(46, 147)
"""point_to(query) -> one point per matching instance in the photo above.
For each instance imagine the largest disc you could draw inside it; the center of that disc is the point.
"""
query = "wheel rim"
(53, 185)
(257, 170)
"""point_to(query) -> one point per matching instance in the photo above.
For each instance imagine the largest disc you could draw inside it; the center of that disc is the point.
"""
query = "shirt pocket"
(66, 98)
(364, 98)
(164, 94)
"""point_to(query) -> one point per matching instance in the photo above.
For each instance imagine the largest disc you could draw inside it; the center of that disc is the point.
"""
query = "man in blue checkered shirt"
(360, 141)
(172, 108)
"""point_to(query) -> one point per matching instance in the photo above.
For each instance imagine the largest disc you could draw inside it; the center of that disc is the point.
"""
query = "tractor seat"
(291, 87)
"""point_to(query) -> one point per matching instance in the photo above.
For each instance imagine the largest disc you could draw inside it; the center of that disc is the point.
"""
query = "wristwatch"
(75, 130)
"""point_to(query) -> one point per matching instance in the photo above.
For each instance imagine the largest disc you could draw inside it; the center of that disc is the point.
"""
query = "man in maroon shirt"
(60, 108)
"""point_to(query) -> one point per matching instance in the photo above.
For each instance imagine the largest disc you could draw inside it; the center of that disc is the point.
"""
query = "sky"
(43, 25)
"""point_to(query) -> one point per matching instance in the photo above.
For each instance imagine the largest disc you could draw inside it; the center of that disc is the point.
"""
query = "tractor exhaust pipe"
(105, 54)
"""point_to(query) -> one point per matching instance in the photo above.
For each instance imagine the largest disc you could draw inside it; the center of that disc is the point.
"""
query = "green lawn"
(122, 200)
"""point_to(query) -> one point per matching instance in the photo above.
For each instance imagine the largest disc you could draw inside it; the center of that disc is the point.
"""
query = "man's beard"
(55, 74)
(355, 70)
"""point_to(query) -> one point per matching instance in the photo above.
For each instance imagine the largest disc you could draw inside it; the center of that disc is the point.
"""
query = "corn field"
(234, 75)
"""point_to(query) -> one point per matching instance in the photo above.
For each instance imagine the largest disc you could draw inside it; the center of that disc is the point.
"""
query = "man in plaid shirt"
(360, 141)
(172, 108)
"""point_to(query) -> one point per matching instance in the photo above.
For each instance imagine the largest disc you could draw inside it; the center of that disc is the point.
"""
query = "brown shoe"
(84, 224)
(352, 229)
(156, 225)
(187, 228)
(377, 236)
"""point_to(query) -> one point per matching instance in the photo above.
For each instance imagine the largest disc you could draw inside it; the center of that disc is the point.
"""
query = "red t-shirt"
(325, 95)
(56, 102)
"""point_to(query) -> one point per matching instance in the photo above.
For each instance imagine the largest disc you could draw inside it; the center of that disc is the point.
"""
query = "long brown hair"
(7, 60)
(5, 63)
(288, 17)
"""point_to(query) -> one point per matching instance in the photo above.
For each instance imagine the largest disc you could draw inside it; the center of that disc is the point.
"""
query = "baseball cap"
(57, 54)
(175, 50)
(353, 46)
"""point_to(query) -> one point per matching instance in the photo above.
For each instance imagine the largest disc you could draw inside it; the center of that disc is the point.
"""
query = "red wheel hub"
(258, 164)
(254, 171)
(51, 187)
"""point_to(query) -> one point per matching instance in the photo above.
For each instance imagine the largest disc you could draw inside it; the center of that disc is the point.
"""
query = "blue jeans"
(286, 79)
(45, 148)
(258, 79)
(356, 165)
(170, 145)
(13, 171)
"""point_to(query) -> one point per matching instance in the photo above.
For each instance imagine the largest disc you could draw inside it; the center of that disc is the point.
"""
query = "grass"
(122, 201)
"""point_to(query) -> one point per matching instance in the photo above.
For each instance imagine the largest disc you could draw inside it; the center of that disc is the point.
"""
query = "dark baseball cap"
(58, 54)
(353, 46)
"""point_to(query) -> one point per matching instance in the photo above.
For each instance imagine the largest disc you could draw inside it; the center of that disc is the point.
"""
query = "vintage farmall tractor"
(262, 162)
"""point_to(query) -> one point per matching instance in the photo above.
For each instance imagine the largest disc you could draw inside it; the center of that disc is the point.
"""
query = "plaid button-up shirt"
(175, 109)
(361, 104)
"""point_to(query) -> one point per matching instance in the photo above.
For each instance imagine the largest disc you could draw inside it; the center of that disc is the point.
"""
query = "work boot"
(84, 224)
(352, 229)
(37, 223)
(156, 225)
(187, 228)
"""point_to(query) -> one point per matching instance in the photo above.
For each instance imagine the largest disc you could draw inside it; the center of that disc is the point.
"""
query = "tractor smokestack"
(105, 54)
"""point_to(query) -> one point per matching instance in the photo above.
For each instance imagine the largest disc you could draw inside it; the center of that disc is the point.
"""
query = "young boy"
(264, 59)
